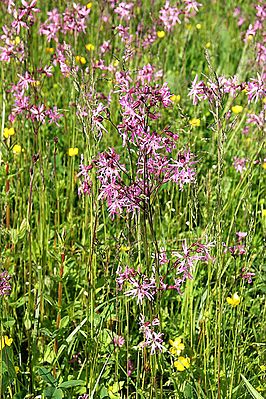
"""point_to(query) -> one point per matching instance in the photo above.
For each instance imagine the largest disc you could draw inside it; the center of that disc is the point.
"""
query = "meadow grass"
(65, 311)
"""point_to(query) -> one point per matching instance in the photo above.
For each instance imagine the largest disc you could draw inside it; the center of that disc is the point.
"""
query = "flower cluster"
(73, 19)
(25, 105)
(129, 190)
(180, 268)
(23, 18)
(5, 286)
(152, 339)
(170, 16)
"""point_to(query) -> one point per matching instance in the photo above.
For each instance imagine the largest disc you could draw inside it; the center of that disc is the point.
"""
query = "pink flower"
(240, 164)
(118, 341)
(5, 286)
(169, 16)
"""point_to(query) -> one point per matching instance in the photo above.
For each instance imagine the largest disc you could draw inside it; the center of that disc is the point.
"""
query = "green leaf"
(64, 322)
(46, 376)
(58, 394)
(71, 383)
(253, 391)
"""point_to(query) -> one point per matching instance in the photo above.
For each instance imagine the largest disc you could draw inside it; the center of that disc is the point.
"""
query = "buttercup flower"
(73, 151)
(5, 341)
(234, 300)
(175, 98)
(17, 149)
(89, 5)
(8, 132)
(161, 34)
(182, 363)
(177, 346)
(80, 60)
(194, 122)
(90, 47)
(237, 109)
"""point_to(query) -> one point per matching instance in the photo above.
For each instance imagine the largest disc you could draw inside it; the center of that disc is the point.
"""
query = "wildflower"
(177, 346)
(208, 45)
(5, 287)
(247, 275)
(80, 60)
(182, 363)
(175, 98)
(194, 122)
(237, 109)
(198, 26)
(263, 212)
(49, 50)
(8, 132)
(73, 151)
(152, 339)
(264, 165)
(89, 5)
(241, 235)
(5, 341)
(90, 47)
(17, 149)
(161, 34)
(17, 370)
(240, 164)
(124, 10)
(234, 300)
(119, 341)
(169, 16)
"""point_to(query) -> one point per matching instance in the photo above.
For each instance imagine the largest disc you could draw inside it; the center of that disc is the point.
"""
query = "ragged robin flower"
(177, 346)
(234, 300)
(182, 363)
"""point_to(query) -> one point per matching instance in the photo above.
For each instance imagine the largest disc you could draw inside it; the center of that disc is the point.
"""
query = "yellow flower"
(234, 300)
(8, 132)
(250, 38)
(5, 341)
(208, 45)
(49, 50)
(182, 363)
(123, 248)
(17, 369)
(237, 109)
(115, 63)
(264, 100)
(175, 98)
(89, 5)
(73, 151)
(263, 212)
(17, 149)
(198, 26)
(177, 346)
(17, 40)
(194, 122)
(35, 83)
(264, 165)
(80, 60)
(90, 47)
(161, 34)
